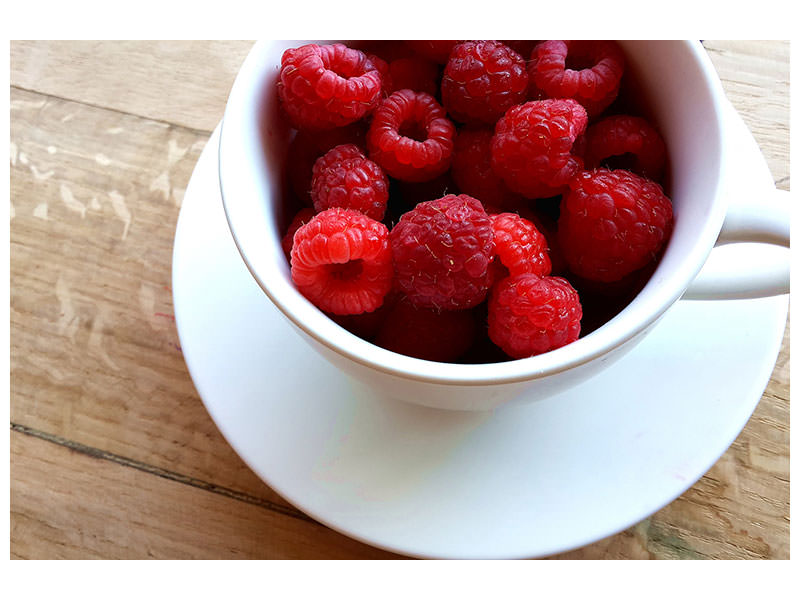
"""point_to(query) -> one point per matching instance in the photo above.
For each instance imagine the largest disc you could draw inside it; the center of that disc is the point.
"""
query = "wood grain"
(107, 429)
(94, 508)
(181, 83)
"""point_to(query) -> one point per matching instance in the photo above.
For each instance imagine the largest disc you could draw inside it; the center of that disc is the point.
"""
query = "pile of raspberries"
(452, 197)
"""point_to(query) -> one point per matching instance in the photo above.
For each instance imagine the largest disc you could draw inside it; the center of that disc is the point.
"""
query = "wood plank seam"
(172, 125)
(159, 472)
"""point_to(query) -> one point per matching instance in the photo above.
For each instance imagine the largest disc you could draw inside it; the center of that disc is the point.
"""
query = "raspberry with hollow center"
(612, 223)
(410, 137)
(532, 146)
(345, 178)
(615, 138)
(530, 315)
(328, 86)
(342, 262)
(472, 169)
(482, 80)
(519, 245)
(442, 250)
(426, 333)
(589, 71)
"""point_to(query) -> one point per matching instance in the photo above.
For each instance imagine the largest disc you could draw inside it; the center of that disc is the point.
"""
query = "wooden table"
(112, 452)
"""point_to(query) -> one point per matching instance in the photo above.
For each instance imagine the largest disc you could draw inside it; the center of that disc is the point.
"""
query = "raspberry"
(306, 147)
(618, 137)
(341, 261)
(413, 73)
(300, 219)
(548, 227)
(321, 87)
(472, 168)
(482, 80)
(612, 223)
(410, 137)
(345, 178)
(588, 71)
(442, 250)
(436, 50)
(529, 315)
(532, 143)
(520, 247)
(426, 333)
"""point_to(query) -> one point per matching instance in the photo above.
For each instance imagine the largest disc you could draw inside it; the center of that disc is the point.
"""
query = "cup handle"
(766, 221)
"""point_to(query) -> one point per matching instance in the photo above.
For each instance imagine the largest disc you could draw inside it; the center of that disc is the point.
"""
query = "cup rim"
(241, 178)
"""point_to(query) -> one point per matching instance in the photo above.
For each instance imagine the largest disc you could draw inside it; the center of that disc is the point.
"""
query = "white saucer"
(526, 481)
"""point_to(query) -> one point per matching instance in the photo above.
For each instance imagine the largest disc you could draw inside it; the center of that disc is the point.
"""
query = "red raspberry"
(410, 136)
(612, 223)
(306, 147)
(341, 261)
(426, 333)
(621, 136)
(548, 227)
(520, 247)
(300, 219)
(436, 50)
(529, 315)
(442, 250)
(321, 87)
(588, 71)
(472, 169)
(482, 80)
(413, 73)
(345, 178)
(532, 146)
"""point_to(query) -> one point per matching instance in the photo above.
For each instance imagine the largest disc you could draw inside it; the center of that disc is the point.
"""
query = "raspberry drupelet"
(328, 86)
(345, 178)
(441, 251)
(589, 71)
(342, 262)
(629, 140)
(482, 80)
(612, 223)
(410, 136)
(530, 315)
(532, 147)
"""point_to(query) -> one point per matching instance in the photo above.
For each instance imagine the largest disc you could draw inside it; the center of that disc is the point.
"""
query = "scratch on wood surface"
(40, 212)
(68, 320)
(121, 210)
(39, 175)
(161, 184)
(96, 337)
(71, 202)
(102, 159)
(175, 152)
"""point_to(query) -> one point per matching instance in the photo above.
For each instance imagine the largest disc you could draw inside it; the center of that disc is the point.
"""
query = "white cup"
(713, 205)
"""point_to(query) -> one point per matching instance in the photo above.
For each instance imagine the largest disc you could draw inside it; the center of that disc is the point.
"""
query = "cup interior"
(674, 80)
